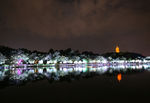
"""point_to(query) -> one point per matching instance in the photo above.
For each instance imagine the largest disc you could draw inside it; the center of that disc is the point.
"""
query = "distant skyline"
(84, 25)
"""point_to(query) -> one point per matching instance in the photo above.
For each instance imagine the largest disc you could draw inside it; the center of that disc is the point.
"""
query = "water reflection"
(119, 77)
(17, 76)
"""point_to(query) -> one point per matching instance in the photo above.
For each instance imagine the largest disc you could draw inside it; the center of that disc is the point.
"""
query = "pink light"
(19, 62)
(18, 71)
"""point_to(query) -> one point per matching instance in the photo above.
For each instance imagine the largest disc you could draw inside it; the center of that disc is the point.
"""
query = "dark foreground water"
(83, 87)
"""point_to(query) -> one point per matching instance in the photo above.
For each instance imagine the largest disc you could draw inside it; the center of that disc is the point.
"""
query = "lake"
(75, 84)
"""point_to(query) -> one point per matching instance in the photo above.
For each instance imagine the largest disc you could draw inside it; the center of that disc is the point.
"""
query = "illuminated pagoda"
(117, 49)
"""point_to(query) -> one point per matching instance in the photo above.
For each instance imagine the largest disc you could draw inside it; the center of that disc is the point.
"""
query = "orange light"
(36, 62)
(36, 70)
(117, 49)
(119, 77)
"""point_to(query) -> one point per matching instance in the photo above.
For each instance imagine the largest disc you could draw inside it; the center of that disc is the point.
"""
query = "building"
(117, 49)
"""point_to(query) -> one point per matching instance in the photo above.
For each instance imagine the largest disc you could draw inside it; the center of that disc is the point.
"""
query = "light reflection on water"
(54, 73)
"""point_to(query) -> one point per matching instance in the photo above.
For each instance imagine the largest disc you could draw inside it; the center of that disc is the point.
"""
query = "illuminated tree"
(2, 59)
(19, 58)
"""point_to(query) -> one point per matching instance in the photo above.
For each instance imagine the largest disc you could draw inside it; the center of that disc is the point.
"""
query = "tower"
(117, 49)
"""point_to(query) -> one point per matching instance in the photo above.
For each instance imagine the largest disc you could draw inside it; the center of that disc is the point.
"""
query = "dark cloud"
(94, 25)
(66, 1)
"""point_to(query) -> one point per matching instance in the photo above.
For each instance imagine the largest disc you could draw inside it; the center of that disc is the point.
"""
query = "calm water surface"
(75, 84)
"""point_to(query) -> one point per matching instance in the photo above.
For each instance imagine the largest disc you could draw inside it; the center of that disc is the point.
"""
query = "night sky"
(91, 25)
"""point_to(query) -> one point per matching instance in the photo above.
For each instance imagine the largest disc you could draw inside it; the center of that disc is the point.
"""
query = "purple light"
(18, 71)
(19, 62)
